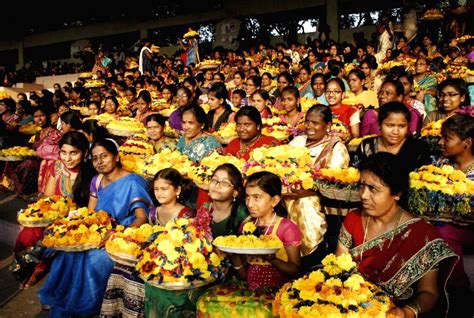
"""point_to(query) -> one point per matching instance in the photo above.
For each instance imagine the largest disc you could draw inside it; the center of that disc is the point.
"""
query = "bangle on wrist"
(415, 310)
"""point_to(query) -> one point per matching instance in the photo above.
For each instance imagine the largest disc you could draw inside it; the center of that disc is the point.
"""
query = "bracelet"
(415, 310)
(238, 267)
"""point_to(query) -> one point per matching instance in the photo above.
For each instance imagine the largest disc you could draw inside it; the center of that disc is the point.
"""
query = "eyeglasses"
(333, 92)
(223, 183)
(443, 95)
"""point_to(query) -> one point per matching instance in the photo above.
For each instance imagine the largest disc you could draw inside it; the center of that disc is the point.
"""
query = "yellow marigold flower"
(166, 247)
(345, 262)
(354, 282)
(249, 227)
(317, 276)
(197, 259)
(215, 259)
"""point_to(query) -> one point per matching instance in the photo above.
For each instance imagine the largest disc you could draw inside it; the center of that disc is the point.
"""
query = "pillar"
(332, 18)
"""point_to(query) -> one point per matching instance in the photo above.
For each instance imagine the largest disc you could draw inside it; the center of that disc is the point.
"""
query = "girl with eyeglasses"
(348, 115)
(453, 95)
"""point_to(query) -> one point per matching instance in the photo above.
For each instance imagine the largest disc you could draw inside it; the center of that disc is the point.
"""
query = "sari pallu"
(77, 281)
(426, 83)
(397, 259)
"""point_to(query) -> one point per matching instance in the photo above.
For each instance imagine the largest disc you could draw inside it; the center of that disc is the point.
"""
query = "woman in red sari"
(248, 126)
(394, 249)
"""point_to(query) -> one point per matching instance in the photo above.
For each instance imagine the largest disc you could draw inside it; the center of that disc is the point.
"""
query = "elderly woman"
(393, 248)
(195, 142)
(304, 207)
(155, 126)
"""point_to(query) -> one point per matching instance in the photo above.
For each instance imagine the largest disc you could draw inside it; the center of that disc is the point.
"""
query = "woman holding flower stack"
(394, 249)
(77, 281)
(304, 206)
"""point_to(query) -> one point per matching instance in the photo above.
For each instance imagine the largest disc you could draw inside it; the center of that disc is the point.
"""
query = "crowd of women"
(415, 261)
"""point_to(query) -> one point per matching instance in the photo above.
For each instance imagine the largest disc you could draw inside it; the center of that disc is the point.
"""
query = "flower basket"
(76, 248)
(124, 259)
(180, 285)
(35, 223)
(343, 194)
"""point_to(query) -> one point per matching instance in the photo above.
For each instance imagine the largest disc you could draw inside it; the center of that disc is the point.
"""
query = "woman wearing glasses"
(453, 94)
(348, 115)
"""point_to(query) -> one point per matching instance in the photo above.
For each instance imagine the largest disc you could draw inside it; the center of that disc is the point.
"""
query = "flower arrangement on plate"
(16, 153)
(125, 126)
(307, 102)
(355, 142)
(44, 211)
(338, 183)
(442, 193)
(250, 242)
(181, 256)
(168, 158)
(336, 290)
(124, 246)
(201, 173)
(81, 230)
(226, 133)
(29, 129)
(292, 164)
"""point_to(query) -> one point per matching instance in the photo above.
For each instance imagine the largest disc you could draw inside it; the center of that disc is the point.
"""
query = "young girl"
(261, 99)
(168, 185)
(267, 212)
(226, 211)
(219, 111)
(290, 99)
(143, 105)
(348, 115)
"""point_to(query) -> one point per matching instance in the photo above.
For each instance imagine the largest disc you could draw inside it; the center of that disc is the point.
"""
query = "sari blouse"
(397, 259)
(199, 148)
(235, 147)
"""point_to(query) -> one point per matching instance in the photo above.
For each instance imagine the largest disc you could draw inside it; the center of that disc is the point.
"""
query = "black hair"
(92, 127)
(269, 183)
(80, 188)
(46, 111)
(114, 100)
(338, 81)
(237, 181)
(318, 75)
(219, 90)
(240, 92)
(176, 179)
(460, 86)
(26, 105)
(252, 113)
(145, 95)
(242, 74)
(198, 113)
(321, 110)
(72, 118)
(187, 91)
(399, 89)
(288, 77)
(109, 145)
(357, 72)
(262, 92)
(268, 75)
(160, 119)
(10, 103)
(221, 76)
(389, 169)
(171, 88)
(460, 125)
(257, 80)
(393, 107)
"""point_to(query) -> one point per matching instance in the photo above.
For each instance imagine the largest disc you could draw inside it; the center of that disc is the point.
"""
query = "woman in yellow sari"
(304, 207)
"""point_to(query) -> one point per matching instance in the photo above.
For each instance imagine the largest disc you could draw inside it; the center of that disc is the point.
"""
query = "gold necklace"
(361, 254)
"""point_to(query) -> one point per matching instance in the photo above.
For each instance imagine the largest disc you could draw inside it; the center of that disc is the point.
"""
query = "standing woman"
(348, 115)
(77, 282)
(196, 143)
(70, 176)
(427, 84)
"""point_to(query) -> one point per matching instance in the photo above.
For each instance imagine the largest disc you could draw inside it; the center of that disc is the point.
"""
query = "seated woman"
(111, 106)
(225, 208)
(457, 137)
(304, 84)
(393, 121)
(358, 93)
(293, 116)
(427, 84)
(70, 176)
(77, 281)
(143, 105)
(155, 126)
(125, 293)
(304, 206)
(184, 98)
(70, 121)
(392, 248)
(268, 213)
(260, 99)
(8, 113)
(195, 142)
(249, 132)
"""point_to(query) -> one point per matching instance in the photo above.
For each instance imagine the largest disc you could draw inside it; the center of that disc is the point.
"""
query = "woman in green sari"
(426, 85)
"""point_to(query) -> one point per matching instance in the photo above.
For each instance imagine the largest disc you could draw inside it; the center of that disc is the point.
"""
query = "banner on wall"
(227, 32)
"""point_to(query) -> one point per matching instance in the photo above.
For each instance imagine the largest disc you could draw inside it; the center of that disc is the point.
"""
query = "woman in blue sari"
(195, 142)
(77, 282)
